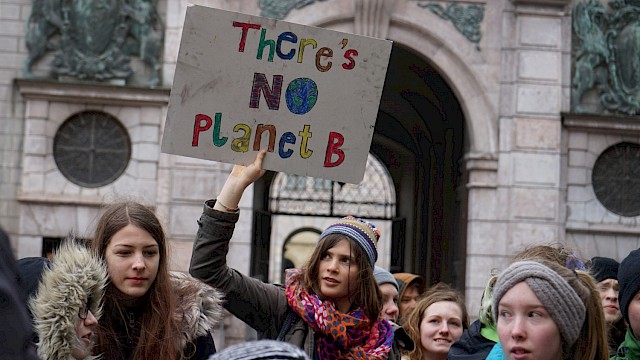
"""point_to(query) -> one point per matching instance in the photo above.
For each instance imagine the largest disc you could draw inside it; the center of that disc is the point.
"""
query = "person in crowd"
(66, 300)
(605, 271)
(389, 288)
(16, 334)
(261, 350)
(411, 286)
(438, 320)
(558, 253)
(149, 311)
(476, 343)
(546, 311)
(331, 307)
(629, 281)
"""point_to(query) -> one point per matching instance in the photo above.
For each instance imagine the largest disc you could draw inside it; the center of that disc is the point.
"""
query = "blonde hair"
(437, 293)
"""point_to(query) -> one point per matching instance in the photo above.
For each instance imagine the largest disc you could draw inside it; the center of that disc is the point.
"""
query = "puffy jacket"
(74, 276)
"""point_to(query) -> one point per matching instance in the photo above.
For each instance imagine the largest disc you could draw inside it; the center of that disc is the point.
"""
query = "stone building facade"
(482, 149)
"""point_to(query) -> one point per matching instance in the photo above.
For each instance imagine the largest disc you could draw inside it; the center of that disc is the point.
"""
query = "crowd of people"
(114, 298)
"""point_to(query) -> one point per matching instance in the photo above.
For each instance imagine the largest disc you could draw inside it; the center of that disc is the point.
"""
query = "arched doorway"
(419, 138)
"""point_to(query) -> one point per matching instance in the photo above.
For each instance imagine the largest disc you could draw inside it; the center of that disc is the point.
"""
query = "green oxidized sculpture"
(95, 39)
(606, 57)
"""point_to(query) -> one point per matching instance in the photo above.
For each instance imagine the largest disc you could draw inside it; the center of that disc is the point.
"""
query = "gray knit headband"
(558, 297)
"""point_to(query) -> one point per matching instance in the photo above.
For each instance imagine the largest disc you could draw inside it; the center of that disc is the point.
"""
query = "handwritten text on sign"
(308, 95)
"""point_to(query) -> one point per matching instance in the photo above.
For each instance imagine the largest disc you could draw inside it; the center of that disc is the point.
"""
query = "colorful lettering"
(271, 95)
(217, 140)
(241, 144)
(286, 138)
(349, 55)
(263, 43)
(305, 134)
(304, 43)
(323, 52)
(198, 127)
(258, 138)
(245, 29)
(286, 36)
(336, 140)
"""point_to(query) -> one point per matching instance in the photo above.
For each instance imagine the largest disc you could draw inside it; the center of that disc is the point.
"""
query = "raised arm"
(262, 306)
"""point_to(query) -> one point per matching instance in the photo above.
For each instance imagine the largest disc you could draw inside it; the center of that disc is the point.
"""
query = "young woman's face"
(634, 315)
(132, 257)
(609, 295)
(525, 328)
(389, 301)
(85, 333)
(440, 327)
(338, 275)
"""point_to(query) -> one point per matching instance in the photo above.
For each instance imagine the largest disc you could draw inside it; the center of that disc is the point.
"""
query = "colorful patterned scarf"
(339, 336)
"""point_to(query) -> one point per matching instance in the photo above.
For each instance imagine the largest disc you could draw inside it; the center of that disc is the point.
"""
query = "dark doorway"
(420, 138)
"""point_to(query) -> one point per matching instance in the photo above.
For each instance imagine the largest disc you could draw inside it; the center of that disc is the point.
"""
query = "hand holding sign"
(232, 74)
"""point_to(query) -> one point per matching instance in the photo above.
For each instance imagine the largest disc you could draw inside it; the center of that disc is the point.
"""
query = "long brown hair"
(592, 341)
(437, 293)
(158, 328)
(365, 294)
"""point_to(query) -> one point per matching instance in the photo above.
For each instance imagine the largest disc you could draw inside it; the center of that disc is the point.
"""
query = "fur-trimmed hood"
(198, 306)
(73, 277)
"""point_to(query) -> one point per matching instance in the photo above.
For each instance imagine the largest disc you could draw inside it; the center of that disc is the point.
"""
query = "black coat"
(471, 345)
(16, 331)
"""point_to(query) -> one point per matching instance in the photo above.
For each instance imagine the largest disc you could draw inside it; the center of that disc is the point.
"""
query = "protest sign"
(308, 95)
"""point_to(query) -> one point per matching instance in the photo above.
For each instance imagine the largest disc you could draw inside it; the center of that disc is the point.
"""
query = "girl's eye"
(535, 314)
(123, 253)
(150, 253)
(455, 324)
(346, 260)
(503, 314)
(325, 256)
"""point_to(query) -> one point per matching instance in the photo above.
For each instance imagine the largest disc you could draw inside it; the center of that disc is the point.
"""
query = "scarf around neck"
(339, 335)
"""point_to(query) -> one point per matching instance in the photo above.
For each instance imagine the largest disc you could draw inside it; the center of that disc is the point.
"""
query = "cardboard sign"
(308, 95)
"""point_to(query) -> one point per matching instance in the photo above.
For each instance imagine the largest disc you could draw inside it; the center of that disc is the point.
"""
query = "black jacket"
(471, 345)
(16, 331)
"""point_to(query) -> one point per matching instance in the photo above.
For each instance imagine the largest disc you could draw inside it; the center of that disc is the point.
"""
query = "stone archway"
(439, 126)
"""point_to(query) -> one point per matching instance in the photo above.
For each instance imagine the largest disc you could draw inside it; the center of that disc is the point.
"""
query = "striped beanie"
(360, 230)
(261, 349)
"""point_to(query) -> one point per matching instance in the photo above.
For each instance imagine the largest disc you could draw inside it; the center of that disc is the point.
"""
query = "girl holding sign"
(331, 307)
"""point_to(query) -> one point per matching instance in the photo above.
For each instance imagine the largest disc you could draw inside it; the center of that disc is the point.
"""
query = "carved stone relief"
(606, 57)
(95, 39)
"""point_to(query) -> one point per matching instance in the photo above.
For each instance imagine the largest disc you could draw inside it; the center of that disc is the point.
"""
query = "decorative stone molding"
(610, 124)
(483, 170)
(91, 93)
(372, 17)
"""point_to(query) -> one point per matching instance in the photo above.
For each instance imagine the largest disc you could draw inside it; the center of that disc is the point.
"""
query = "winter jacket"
(629, 349)
(471, 345)
(74, 277)
(496, 353)
(198, 312)
(402, 342)
(262, 306)
(15, 331)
